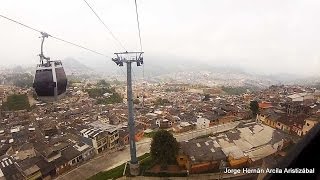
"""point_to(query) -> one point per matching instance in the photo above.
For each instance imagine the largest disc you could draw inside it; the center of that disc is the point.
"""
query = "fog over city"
(265, 37)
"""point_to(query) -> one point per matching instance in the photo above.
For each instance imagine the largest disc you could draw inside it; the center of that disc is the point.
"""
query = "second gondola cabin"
(50, 80)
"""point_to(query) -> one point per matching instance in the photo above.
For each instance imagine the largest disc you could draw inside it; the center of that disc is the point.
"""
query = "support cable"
(138, 23)
(105, 25)
(55, 37)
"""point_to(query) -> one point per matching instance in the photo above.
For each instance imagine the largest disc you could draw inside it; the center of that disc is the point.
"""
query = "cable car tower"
(50, 81)
(129, 58)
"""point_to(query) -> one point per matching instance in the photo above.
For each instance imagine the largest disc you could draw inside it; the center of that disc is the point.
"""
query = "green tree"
(16, 102)
(164, 148)
(254, 107)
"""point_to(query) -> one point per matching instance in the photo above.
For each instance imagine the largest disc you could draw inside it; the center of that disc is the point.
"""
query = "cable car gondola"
(50, 81)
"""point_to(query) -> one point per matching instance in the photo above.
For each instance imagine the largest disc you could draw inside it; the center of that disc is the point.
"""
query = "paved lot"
(201, 132)
(108, 161)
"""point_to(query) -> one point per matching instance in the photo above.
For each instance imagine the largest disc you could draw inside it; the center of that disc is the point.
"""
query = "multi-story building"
(101, 136)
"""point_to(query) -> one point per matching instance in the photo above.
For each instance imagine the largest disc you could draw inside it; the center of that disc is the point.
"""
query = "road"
(109, 160)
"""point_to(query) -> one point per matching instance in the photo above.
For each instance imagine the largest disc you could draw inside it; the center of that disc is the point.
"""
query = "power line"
(105, 25)
(80, 46)
(57, 38)
(138, 22)
(20, 23)
(135, 1)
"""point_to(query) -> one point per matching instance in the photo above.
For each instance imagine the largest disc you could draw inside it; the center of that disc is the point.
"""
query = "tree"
(254, 107)
(164, 148)
(16, 102)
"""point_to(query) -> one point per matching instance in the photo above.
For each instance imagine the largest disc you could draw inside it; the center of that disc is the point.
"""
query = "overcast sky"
(269, 36)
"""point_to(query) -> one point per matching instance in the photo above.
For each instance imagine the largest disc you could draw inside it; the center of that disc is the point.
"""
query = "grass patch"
(114, 173)
(117, 172)
(150, 135)
(143, 156)
(146, 162)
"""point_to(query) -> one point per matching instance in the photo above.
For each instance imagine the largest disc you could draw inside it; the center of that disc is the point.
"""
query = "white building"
(202, 123)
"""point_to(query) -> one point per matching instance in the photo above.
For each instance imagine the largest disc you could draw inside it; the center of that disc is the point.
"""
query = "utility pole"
(129, 58)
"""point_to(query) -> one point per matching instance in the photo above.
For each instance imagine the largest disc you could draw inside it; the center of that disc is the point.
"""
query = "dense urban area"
(85, 134)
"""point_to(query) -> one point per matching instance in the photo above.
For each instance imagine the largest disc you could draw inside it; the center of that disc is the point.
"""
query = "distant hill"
(73, 66)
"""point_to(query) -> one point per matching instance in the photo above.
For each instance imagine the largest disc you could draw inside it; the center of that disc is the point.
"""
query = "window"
(308, 124)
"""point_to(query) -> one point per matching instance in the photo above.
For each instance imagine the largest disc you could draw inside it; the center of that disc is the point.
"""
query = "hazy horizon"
(266, 37)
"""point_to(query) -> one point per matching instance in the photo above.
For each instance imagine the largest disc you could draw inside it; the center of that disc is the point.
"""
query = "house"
(124, 134)
(226, 119)
(72, 155)
(200, 155)
(87, 151)
(62, 165)
(182, 127)
(100, 135)
(8, 169)
(296, 128)
(265, 105)
(269, 117)
(164, 123)
(284, 124)
(32, 168)
(29, 169)
(202, 123)
(310, 123)
(97, 138)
